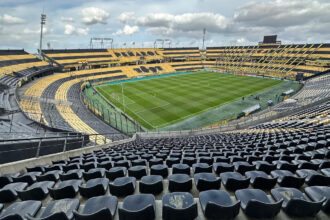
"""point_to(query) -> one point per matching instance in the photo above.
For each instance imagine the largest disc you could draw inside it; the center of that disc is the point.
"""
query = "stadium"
(213, 131)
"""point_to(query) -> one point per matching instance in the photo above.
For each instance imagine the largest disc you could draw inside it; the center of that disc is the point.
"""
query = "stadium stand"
(183, 54)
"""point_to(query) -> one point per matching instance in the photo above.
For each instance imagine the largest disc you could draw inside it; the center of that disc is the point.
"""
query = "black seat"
(155, 161)
(286, 178)
(140, 206)
(159, 169)
(221, 167)
(285, 165)
(123, 186)
(260, 180)
(181, 168)
(264, 166)
(139, 162)
(29, 178)
(243, 166)
(7, 178)
(318, 193)
(295, 203)
(202, 168)
(137, 171)
(326, 171)
(217, 204)
(172, 160)
(303, 164)
(206, 181)
(58, 209)
(94, 187)
(18, 210)
(99, 207)
(106, 165)
(93, 173)
(88, 165)
(234, 181)
(72, 174)
(178, 206)
(37, 191)
(65, 189)
(313, 178)
(116, 172)
(179, 183)
(9, 192)
(152, 184)
(188, 160)
(256, 204)
(53, 175)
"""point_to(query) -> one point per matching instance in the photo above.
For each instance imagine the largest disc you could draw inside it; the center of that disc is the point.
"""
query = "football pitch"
(159, 102)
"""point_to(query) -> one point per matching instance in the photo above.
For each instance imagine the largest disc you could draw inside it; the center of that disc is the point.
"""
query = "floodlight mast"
(101, 41)
(43, 22)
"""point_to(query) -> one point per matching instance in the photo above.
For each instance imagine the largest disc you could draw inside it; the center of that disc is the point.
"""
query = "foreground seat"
(116, 172)
(217, 204)
(94, 187)
(295, 203)
(181, 168)
(286, 178)
(318, 193)
(221, 167)
(140, 206)
(58, 210)
(53, 175)
(66, 189)
(137, 171)
(9, 192)
(123, 186)
(313, 178)
(72, 174)
(243, 166)
(260, 180)
(179, 206)
(7, 178)
(206, 181)
(264, 166)
(256, 204)
(152, 184)
(179, 183)
(29, 178)
(234, 181)
(18, 210)
(100, 208)
(202, 168)
(159, 169)
(326, 171)
(37, 191)
(93, 173)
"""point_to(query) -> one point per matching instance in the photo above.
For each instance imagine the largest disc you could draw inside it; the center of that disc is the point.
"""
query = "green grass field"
(159, 102)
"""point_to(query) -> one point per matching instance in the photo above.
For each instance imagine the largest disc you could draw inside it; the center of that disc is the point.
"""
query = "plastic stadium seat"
(73, 166)
(123, 186)
(313, 178)
(256, 204)
(152, 184)
(206, 181)
(139, 162)
(116, 172)
(1, 207)
(94, 187)
(318, 193)
(137, 171)
(94, 173)
(284, 165)
(188, 160)
(54, 167)
(123, 163)
(221, 167)
(155, 161)
(7, 178)
(40, 168)
(172, 160)
(140, 206)
(9, 192)
(53, 175)
(264, 166)
(106, 165)
(100, 208)
(202, 168)
(179, 183)
(37, 191)
(242, 167)
(88, 166)
(286, 178)
(205, 159)
(178, 206)
(29, 178)
(181, 168)
(18, 210)
(222, 159)
(59, 209)
(217, 204)
(260, 180)
(159, 169)
(65, 189)
(302, 164)
(295, 203)
(72, 174)
(326, 171)
(234, 181)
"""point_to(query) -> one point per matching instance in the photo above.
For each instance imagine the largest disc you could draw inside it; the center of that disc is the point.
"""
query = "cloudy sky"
(71, 23)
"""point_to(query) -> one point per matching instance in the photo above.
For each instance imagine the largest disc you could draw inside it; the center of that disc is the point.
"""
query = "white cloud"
(71, 30)
(8, 19)
(126, 17)
(94, 15)
(128, 30)
(67, 19)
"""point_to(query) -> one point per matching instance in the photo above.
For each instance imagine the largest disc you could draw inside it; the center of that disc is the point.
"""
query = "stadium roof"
(70, 24)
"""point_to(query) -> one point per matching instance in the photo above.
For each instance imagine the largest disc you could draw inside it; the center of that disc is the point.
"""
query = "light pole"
(43, 22)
